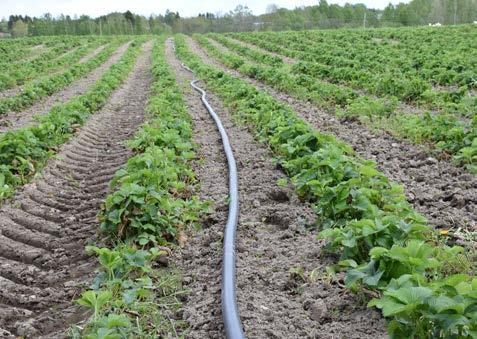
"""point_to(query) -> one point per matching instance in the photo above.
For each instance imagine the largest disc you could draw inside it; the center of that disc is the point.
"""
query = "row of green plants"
(447, 132)
(425, 288)
(406, 85)
(37, 90)
(14, 49)
(23, 152)
(404, 88)
(440, 56)
(65, 53)
(37, 53)
(252, 54)
(153, 203)
(34, 51)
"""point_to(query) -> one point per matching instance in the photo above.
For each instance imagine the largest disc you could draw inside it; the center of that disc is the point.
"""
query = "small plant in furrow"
(152, 204)
(426, 288)
(23, 152)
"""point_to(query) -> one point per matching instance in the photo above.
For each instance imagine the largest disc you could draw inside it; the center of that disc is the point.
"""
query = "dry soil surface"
(44, 228)
(278, 296)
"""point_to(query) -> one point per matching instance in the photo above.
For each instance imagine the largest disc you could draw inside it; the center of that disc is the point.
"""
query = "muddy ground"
(278, 296)
(44, 228)
(442, 192)
(15, 120)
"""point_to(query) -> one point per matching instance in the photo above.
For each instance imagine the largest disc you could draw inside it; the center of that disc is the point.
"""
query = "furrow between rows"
(46, 225)
(442, 192)
(15, 120)
(272, 239)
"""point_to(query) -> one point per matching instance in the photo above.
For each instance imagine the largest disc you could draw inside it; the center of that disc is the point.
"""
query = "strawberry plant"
(23, 152)
(64, 52)
(152, 204)
(35, 91)
(304, 81)
(385, 245)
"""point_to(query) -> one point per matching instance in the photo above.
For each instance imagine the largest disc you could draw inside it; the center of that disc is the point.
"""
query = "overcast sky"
(147, 7)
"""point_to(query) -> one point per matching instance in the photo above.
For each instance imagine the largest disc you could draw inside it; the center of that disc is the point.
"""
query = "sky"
(185, 8)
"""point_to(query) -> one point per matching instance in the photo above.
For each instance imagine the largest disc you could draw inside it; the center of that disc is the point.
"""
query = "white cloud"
(147, 7)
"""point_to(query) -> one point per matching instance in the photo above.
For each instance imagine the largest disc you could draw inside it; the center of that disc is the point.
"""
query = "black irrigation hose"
(230, 314)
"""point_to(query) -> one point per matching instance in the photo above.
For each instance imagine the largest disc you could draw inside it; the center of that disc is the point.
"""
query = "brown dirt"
(44, 228)
(15, 120)
(40, 46)
(442, 192)
(272, 239)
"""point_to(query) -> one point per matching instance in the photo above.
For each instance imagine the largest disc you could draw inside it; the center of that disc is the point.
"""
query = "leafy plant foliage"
(385, 245)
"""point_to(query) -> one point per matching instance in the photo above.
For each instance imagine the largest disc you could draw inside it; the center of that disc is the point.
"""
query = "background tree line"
(323, 15)
(113, 23)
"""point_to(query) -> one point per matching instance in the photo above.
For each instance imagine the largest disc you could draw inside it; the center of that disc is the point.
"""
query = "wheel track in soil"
(271, 239)
(44, 228)
(445, 194)
(15, 120)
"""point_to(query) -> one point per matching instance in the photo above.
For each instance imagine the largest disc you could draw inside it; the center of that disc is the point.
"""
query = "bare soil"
(274, 242)
(44, 228)
(15, 120)
(442, 192)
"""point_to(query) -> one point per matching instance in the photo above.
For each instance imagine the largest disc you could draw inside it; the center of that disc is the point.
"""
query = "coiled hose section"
(230, 314)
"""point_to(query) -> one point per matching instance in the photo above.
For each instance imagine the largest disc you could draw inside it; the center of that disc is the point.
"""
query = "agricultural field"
(355, 153)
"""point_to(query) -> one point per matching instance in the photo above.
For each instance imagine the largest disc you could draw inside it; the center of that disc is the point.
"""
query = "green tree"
(130, 19)
(3, 26)
(19, 29)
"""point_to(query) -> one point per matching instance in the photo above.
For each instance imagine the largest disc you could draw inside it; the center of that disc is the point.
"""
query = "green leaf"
(95, 300)
(388, 306)
(410, 295)
(444, 303)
